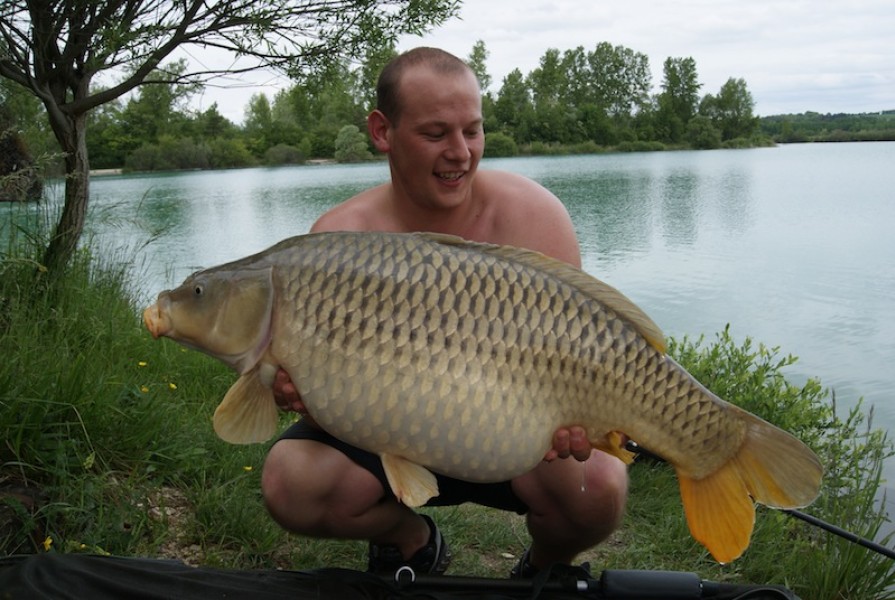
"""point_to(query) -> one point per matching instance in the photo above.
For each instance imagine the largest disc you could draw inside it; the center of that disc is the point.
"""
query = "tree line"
(574, 101)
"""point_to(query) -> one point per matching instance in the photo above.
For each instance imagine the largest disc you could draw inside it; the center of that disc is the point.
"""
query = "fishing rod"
(854, 538)
(564, 581)
(639, 450)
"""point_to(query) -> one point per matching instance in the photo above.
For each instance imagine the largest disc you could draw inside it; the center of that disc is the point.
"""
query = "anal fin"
(614, 443)
(412, 484)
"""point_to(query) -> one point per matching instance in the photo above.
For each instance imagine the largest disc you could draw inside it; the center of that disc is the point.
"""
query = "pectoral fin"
(411, 483)
(248, 413)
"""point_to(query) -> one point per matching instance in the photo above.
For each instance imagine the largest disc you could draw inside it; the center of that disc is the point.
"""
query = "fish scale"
(464, 358)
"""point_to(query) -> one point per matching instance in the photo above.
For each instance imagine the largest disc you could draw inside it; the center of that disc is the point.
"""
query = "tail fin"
(771, 467)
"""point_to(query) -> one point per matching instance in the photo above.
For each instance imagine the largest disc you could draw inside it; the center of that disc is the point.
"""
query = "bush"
(641, 146)
(284, 154)
(229, 153)
(351, 145)
(818, 565)
(702, 133)
(499, 145)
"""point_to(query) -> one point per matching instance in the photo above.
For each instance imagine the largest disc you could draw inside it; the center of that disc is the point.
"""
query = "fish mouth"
(156, 322)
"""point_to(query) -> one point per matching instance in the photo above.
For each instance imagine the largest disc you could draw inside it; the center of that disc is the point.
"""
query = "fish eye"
(198, 289)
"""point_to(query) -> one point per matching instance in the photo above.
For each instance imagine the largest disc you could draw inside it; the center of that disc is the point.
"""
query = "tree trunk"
(72, 137)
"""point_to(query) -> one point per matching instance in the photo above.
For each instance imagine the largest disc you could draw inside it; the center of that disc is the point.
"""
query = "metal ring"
(405, 570)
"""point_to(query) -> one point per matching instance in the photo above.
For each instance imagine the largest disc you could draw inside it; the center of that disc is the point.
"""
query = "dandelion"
(172, 386)
(144, 389)
(142, 363)
(247, 468)
(47, 544)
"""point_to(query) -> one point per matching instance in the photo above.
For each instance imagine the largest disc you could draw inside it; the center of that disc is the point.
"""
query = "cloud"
(795, 55)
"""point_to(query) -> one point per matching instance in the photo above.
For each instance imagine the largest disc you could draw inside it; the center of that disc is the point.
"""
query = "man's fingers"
(569, 441)
(579, 445)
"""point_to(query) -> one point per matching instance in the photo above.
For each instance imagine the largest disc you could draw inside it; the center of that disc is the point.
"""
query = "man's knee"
(277, 486)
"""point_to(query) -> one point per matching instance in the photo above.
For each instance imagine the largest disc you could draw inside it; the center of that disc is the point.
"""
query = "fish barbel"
(463, 358)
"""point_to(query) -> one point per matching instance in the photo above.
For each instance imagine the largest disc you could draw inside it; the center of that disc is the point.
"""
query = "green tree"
(258, 124)
(731, 110)
(702, 134)
(477, 61)
(620, 78)
(513, 108)
(376, 58)
(24, 113)
(211, 124)
(56, 50)
(679, 99)
(548, 84)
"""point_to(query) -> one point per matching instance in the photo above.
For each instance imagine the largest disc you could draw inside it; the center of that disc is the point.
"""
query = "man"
(429, 122)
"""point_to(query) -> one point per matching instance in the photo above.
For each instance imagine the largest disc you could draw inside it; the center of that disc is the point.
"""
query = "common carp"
(463, 358)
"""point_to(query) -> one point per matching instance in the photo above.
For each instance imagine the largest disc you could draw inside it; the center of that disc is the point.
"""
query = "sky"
(824, 56)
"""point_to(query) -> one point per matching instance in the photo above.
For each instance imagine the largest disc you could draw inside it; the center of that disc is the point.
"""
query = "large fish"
(463, 358)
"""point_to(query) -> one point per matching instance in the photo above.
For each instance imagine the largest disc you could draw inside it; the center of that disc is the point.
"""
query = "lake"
(792, 246)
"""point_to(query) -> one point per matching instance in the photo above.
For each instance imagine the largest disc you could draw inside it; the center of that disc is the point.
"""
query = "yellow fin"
(719, 512)
(771, 467)
(248, 412)
(411, 483)
(602, 292)
(779, 470)
(614, 444)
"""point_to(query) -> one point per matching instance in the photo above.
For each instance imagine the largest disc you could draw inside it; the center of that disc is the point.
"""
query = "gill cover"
(226, 314)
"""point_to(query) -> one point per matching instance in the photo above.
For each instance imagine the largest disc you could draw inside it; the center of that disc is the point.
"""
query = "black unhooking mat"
(78, 576)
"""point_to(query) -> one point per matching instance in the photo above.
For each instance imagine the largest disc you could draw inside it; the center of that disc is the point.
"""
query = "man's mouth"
(450, 175)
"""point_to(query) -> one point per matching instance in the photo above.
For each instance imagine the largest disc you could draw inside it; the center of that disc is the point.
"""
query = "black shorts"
(451, 491)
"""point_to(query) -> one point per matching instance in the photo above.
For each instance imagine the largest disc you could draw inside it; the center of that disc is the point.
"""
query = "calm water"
(793, 246)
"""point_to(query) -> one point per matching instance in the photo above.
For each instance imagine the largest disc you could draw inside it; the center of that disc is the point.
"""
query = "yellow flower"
(247, 468)
(142, 363)
(47, 543)
(172, 385)
(144, 389)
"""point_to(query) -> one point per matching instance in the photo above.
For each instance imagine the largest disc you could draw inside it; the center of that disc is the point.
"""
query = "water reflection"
(681, 206)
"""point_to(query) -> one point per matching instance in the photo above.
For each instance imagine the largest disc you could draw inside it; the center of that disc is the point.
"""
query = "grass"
(108, 448)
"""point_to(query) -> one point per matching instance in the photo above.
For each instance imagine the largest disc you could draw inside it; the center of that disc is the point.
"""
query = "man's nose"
(458, 147)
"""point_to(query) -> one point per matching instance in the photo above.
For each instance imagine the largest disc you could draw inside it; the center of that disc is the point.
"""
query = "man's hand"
(287, 397)
(571, 441)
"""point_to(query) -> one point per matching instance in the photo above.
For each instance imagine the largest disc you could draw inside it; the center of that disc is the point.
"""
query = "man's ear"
(378, 127)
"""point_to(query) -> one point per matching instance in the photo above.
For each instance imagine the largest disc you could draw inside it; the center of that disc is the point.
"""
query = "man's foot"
(525, 570)
(431, 559)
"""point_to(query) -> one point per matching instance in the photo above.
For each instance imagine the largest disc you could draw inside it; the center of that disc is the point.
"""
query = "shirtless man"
(429, 122)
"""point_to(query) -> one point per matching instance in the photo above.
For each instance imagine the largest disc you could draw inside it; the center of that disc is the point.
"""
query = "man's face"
(436, 145)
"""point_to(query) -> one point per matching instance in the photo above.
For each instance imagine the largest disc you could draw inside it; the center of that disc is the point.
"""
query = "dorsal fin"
(600, 291)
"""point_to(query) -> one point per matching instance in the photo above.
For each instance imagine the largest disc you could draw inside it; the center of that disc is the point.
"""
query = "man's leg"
(313, 489)
(573, 505)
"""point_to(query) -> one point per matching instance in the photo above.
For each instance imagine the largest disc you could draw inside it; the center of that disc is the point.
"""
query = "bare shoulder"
(529, 215)
(358, 213)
